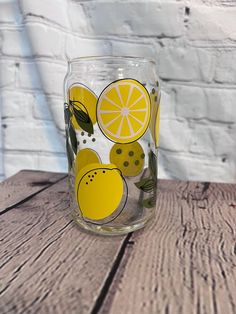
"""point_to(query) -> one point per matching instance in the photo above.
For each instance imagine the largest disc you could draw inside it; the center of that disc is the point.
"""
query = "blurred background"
(192, 41)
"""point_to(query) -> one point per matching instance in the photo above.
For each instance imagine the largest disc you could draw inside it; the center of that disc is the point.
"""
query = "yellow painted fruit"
(99, 191)
(85, 100)
(123, 111)
(129, 158)
(155, 115)
(85, 157)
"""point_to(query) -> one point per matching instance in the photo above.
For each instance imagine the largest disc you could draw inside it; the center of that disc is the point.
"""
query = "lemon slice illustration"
(123, 111)
(83, 99)
(99, 191)
(129, 158)
(155, 115)
(85, 157)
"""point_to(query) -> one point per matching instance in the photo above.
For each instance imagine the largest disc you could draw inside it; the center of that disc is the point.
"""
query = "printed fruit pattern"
(99, 191)
(129, 158)
(123, 112)
(84, 102)
(85, 157)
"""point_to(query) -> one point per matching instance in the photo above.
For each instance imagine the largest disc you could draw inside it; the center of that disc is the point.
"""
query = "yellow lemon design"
(85, 100)
(155, 115)
(99, 191)
(85, 157)
(123, 111)
(129, 158)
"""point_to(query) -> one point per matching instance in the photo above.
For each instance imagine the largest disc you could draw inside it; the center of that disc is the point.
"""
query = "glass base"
(111, 230)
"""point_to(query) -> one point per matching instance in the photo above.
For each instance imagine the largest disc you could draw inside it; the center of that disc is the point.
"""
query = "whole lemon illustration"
(99, 190)
(129, 158)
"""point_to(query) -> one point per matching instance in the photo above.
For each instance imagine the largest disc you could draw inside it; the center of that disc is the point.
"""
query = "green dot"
(131, 153)
(82, 133)
(118, 151)
(142, 156)
(157, 83)
(84, 141)
(136, 162)
(93, 139)
(153, 91)
(126, 163)
(155, 98)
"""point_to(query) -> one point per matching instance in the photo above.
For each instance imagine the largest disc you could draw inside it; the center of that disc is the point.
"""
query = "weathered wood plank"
(24, 184)
(47, 264)
(186, 261)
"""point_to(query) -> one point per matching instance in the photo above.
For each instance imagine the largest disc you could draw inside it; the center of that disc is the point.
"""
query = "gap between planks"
(24, 185)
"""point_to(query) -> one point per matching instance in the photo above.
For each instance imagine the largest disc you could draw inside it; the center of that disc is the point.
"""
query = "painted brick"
(202, 169)
(212, 23)
(201, 142)
(221, 104)
(168, 103)
(55, 12)
(53, 163)
(223, 140)
(79, 21)
(2, 170)
(28, 76)
(7, 73)
(41, 109)
(52, 77)
(174, 135)
(132, 49)
(57, 110)
(15, 162)
(123, 19)
(80, 47)
(182, 63)
(34, 136)
(16, 105)
(225, 71)
(15, 42)
(211, 140)
(191, 102)
(46, 41)
(9, 12)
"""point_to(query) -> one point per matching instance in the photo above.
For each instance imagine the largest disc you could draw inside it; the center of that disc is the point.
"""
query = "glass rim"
(110, 57)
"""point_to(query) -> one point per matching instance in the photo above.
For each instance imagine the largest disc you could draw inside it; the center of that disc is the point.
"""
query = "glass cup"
(112, 111)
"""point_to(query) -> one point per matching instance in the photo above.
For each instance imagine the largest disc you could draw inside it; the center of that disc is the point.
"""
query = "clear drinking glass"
(112, 124)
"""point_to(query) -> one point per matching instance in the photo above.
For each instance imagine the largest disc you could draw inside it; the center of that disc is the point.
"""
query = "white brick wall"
(192, 41)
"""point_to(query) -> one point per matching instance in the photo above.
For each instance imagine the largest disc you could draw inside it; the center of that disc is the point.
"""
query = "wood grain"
(24, 184)
(47, 264)
(186, 261)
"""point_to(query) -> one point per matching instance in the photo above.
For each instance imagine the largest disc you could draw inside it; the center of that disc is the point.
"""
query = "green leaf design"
(83, 120)
(73, 138)
(70, 154)
(67, 113)
(146, 185)
(153, 165)
(149, 202)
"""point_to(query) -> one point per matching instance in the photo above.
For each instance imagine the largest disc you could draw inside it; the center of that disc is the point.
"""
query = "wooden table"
(185, 262)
